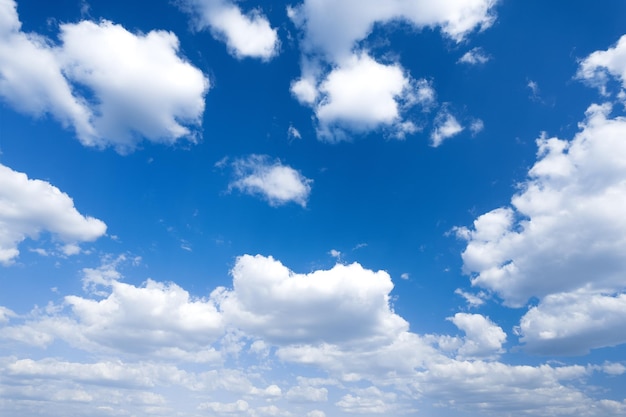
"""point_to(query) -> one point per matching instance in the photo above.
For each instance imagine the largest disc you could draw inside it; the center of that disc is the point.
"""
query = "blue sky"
(317, 208)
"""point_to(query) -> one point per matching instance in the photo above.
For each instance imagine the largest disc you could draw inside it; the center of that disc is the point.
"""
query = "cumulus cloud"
(359, 94)
(277, 183)
(483, 338)
(159, 319)
(245, 35)
(337, 322)
(474, 56)
(574, 323)
(445, 126)
(333, 28)
(29, 207)
(135, 86)
(343, 304)
(600, 66)
(565, 229)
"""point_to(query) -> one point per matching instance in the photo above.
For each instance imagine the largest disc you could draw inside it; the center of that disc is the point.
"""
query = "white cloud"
(29, 207)
(141, 86)
(473, 300)
(277, 183)
(150, 318)
(351, 99)
(245, 35)
(533, 86)
(369, 400)
(343, 304)
(476, 127)
(305, 394)
(483, 339)
(445, 126)
(574, 323)
(238, 406)
(565, 229)
(136, 85)
(599, 66)
(381, 366)
(360, 94)
(334, 27)
(293, 133)
(474, 56)
(156, 319)
(31, 78)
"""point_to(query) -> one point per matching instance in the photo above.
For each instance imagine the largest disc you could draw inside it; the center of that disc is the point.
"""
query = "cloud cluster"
(277, 183)
(358, 94)
(245, 35)
(338, 321)
(113, 87)
(562, 239)
(29, 207)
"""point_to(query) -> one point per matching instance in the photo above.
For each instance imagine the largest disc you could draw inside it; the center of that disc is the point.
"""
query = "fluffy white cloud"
(246, 35)
(565, 229)
(31, 78)
(474, 56)
(155, 317)
(599, 66)
(277, 183)
(340, 305)
(483, 338)
(360, 94)
(334, 27)
(159, 319)
(445, 126)
(136, 85)
(141, 87)
(29, 207)
(574, 323)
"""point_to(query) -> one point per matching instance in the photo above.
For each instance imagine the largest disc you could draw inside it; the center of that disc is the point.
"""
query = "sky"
(312, 209)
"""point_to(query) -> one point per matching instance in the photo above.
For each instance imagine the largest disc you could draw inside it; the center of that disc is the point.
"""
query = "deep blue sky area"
(316, 209)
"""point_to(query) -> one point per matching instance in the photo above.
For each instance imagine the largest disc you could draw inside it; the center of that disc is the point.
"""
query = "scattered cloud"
(600, 66)
(534, 90)
(473, 300)
(476, 126)
(246, 35)
(360, 94)
(293, 133)
(277, 183)
(29, 207)
(445, 126)
(135, 86)
(475, 56)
